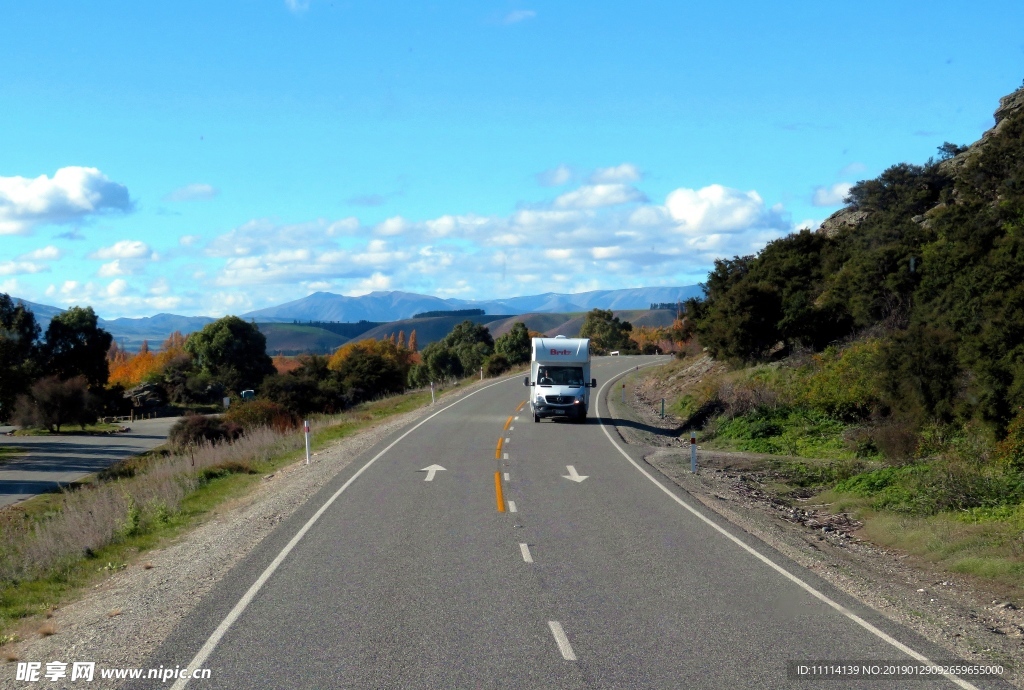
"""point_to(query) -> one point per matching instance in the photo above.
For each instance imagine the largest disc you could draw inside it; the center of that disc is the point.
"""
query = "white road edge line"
(526, 553)
(511, 506)
(767, 561)
(204, 652)
(563, 642)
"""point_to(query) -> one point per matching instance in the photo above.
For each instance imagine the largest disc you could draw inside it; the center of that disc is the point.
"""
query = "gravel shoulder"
(959, 614)
(122, 620)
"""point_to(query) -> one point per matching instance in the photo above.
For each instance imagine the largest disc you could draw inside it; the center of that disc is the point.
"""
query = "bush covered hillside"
(926, 264)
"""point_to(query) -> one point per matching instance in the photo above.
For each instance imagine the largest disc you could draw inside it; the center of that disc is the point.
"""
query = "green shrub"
(197, 429)
(496, 365)
(252, 414)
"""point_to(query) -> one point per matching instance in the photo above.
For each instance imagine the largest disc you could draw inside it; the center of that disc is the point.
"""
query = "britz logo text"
(561, 352)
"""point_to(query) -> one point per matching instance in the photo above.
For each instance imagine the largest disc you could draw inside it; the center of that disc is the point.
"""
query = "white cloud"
(555, 177)
(808, 224)
(517, 16)
(13, 268)
(719, 209)
(70, 196)
(395, 225)
(114, 268)
(598, 195)
(47, 253)
(188, 240)
(377, 281)
(125, 249)
(193, 192)
(627, 172)
(831, 196)
(297, 6)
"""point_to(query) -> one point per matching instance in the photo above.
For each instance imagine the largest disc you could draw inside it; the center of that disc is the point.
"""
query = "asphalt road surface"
(50, 461)
(397, 577)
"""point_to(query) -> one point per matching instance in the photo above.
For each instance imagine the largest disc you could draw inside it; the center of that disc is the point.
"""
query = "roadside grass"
(790, 431)
(71, 430)
(986, 543)
(50, 551)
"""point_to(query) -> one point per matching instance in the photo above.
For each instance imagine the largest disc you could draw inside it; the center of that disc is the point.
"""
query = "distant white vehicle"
(560, 378)
(614, 353)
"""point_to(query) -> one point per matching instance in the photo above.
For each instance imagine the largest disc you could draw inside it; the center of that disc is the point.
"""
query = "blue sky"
(212, 158)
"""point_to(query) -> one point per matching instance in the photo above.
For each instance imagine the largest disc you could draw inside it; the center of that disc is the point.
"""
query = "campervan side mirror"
(526, 381)
(593, 383)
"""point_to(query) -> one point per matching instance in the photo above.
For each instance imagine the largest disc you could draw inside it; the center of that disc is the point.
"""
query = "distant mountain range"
(380, 307)
(393, 306)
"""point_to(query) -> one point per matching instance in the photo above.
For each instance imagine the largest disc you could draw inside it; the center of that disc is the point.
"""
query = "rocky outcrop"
(841, 220)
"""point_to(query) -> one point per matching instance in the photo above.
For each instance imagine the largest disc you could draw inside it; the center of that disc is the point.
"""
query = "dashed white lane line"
(512, 506)
(526, 553)
(506, 456)
(563, 642)
(506, 476)
(511, 428)
(517, 419)
(508, 440)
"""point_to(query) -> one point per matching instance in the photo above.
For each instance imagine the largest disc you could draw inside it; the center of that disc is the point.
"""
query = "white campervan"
(560, 378)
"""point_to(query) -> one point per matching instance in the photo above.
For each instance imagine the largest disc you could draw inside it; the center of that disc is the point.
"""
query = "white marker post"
(305, 426)
(693, 452)
(481, 373)
(623, 394)
(432, 401)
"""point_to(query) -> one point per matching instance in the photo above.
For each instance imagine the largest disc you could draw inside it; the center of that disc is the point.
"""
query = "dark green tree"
(232, 351)
(19, 335)
(76, 346)
(516, 345)
(606, 332)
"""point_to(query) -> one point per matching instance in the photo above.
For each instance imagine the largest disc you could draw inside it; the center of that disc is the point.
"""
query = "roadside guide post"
(432, 401)
(305, 427)
(693, 452)
(481, 373)
(623, 394)
(663, 408)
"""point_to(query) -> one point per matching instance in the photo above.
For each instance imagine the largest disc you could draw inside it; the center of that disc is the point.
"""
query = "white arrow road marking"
(573, 476)
(563, 642)
(431, 471)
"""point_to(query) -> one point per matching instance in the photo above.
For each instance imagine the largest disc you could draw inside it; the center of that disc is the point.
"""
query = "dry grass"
(115, 612)
(47, 629)
(147, 566)
(99, 514)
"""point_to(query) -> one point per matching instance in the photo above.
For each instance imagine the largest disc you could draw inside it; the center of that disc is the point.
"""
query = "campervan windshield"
(560, 376)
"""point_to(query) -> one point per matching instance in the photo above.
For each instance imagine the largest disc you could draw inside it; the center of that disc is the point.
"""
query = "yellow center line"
(497, 451)
(507, 422)
(497, 491)
(520, 406)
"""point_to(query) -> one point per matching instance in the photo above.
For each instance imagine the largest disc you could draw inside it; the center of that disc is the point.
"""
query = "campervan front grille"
(560, 399)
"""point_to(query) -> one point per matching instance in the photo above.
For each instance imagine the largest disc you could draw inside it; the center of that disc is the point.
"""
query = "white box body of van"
(559, 381)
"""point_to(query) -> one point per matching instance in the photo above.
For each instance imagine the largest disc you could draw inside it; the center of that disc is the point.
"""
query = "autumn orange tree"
(130, 370)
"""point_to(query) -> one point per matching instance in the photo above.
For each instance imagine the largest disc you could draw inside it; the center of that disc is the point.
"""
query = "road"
(395, 576)
(54, 460)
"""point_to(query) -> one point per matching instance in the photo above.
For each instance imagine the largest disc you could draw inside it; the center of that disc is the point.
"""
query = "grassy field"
(25, 599)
